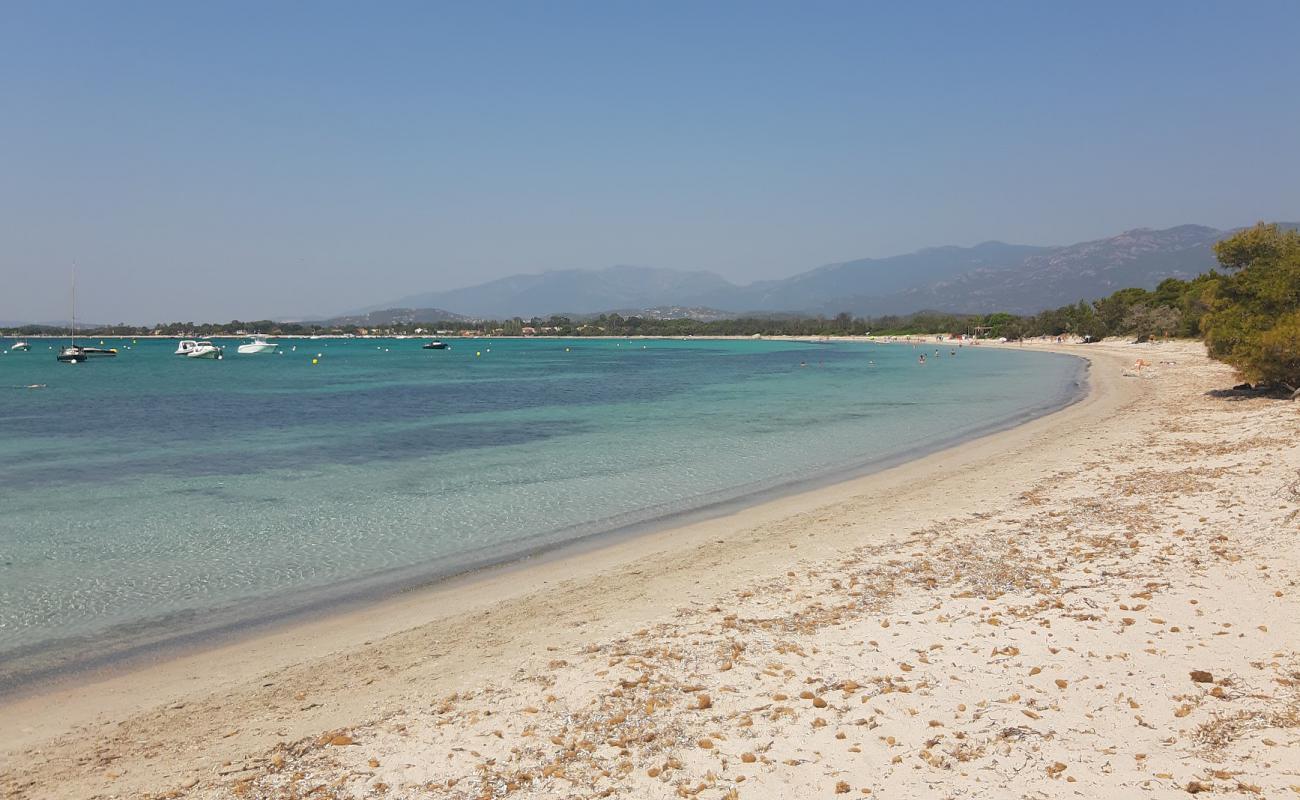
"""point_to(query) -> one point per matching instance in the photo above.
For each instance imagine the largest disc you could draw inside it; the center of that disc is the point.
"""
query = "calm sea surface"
(151, 495)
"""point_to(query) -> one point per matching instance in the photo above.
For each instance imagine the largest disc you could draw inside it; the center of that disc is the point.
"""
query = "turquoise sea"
(151, 497)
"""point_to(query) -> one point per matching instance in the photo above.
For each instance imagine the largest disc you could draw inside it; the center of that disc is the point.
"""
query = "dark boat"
(435, 346)
(72, 354)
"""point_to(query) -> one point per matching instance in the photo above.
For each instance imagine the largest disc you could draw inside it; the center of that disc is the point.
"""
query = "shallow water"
(153, 492)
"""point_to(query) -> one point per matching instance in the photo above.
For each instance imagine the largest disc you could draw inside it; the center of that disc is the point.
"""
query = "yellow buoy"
(477, 353)
(314, 361)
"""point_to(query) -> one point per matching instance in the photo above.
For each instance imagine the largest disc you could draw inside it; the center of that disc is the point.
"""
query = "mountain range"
(992, 276)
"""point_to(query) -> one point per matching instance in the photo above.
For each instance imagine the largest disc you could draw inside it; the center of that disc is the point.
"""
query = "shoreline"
(67, 704)
(57, 664)
(471, 659)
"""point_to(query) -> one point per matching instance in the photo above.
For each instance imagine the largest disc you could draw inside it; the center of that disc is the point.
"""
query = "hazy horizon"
(250, 161)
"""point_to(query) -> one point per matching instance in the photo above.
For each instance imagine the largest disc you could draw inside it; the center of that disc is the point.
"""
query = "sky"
(217, 161)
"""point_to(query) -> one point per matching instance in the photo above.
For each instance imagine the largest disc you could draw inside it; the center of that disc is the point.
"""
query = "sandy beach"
(1100, 602)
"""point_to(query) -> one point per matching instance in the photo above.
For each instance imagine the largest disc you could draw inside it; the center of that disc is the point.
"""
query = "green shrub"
(1254, 317)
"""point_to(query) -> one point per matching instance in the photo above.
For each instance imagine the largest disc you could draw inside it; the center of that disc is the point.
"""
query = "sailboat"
(72, 354)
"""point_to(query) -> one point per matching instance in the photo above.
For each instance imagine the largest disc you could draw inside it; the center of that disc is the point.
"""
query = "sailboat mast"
(74, 305)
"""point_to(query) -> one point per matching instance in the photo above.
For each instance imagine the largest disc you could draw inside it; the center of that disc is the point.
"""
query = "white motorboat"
(205, 349)
(19, 347)
(185, 346)
(255, 345)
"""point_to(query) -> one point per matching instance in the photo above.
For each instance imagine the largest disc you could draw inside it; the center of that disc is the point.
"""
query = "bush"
(1254, 317)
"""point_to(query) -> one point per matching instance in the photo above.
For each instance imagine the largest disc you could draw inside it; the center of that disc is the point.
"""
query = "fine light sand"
(1101, 602)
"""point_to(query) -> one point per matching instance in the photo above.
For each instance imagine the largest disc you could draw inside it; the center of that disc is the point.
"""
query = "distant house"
(528, 331)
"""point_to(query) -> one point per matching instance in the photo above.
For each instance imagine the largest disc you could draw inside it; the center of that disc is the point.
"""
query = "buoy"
(566, 349)
(477, 354)
(314, 361)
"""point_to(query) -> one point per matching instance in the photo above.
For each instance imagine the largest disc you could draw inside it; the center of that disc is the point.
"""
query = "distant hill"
(1057, 276)
(575, 290)
(993, 276)
(823, 287)
(700, 313)
(394, 316)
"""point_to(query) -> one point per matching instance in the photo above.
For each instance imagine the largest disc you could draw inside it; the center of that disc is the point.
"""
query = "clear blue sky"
(221, 160)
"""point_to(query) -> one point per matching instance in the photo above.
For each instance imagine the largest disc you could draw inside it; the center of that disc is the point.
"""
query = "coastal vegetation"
(1174, 308)
(1254, 321)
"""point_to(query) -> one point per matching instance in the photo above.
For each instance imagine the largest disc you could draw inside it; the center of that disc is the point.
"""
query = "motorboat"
(194, 349)
(20, 347)
(255, 345)
(205, 349)
(435, 345)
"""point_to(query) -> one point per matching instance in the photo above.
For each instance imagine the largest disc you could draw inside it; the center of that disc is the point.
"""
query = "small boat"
(205, 349)
(255, 345)
(435, 345)
(72, 353)
(185, 347)
(20, 347)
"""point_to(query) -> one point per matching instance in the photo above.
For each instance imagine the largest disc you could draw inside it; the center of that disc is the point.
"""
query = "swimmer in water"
(921, 360)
